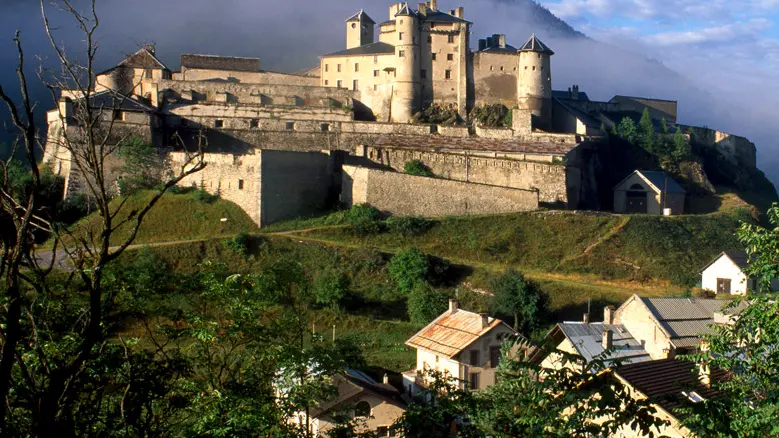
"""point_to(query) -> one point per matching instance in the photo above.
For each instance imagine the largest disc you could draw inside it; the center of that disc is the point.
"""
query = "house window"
(290, 126)
(723, 286)
(494, 356)
(356, 67)
(376, 73)
(382, 431)
(355, 85)
(400, 36)
(327, 68)
(474, 381)
(148, 74)
(401, 53)
(423, 74)
(434, 56)
(362, 409)
(338, 68)
(448, 74)
(254, 123)
(240, 184)
(450, 56)
(474, 357)
(324, 127)
(219, 124)
(339, 83)
(116, 115)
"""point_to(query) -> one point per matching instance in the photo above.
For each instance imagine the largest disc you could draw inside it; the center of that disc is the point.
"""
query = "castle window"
(434, 56)
(219, 124)
(290, 126)
(376, 73)
(375, 59)
(542, 68)
(423, 74)
(375, 87)
(338, 68)
(254, 123)
(327, 82)
(327, 68)
(501, 68)
(450, 56)
(339, 83)
(356, 67)
(534, 68)
(355, 85)
(324, 127)
(525, 67)
(240, 184)
(492, 68)
(451, 39)
(448, 74)
(400, 36)
(430, 39)
(401, 53)
(354, 25)
(413, 40)
(515, 69)
(432, 25)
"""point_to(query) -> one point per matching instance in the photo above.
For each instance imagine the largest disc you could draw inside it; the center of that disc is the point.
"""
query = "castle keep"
(283, 145)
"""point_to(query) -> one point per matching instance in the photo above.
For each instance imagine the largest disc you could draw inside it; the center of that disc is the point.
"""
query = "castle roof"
(361, 16)
(212, 62)
(535, 45)
(443, 17)
(508, 50)
(377, 48)
(406, 11)
(143, 58)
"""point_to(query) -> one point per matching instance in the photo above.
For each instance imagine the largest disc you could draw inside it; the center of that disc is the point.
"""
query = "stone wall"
(555, 182)
(738, 150)
(454, 131)
(495, 133)
(263, 77)
(409, 195)
(495, 78)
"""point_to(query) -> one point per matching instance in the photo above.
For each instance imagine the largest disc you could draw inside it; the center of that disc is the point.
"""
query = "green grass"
(174, 217)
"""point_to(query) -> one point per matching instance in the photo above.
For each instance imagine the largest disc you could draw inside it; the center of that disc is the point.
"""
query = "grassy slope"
(176, 217)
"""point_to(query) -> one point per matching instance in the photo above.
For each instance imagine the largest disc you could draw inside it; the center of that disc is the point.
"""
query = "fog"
(289, 35)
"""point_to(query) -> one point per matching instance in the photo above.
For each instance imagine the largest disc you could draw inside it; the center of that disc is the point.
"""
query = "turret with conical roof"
(534, 88)
(359, 30)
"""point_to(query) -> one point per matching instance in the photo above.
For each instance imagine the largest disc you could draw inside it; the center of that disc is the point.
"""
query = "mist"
(289, 36)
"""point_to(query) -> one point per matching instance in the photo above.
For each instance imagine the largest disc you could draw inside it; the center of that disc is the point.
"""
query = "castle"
(284, 145)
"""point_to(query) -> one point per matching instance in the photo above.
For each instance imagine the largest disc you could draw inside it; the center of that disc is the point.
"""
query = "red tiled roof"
(450, 333)
(443, 143)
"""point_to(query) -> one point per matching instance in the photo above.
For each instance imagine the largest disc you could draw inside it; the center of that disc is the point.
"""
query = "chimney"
(423, 8)
(502, 40)
(385, 379)
(66, 107)
(433, 5)
(570, 93)
(485, 320)
(586, 318)
(453, 306)
(608, 339)
(608, 314)
(459, 12)
(575, 95)
(482, 44)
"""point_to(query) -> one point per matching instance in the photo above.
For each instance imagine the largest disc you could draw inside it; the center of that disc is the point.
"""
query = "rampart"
(738, 150)
(409, 195)
(245, 77)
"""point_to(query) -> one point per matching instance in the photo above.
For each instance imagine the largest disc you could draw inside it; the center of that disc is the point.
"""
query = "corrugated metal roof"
(683, 309)
(451, 332)
(587, 338)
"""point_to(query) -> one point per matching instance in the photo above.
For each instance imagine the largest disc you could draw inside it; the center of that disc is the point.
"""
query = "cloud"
(663, 11)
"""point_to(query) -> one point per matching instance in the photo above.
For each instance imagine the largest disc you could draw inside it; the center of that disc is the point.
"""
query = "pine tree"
(647, 131)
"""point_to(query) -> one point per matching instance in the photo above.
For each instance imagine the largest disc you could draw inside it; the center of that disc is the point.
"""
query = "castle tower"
(406, 94)
(359, 30)
(534, 89)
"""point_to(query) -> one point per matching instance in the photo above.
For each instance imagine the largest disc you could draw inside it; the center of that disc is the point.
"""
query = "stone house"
(460, 344)
(649, 192)
(725, 275)
(374, 406)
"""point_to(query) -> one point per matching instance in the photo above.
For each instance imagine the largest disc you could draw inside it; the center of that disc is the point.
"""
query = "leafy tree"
(579, 399)
(418, 168)
(425, 303)
(681, 148)
(142, 167)
(516, 296)
(330, 287)
(627, 130)
(748, 400)
(407, 268)
(239, 244)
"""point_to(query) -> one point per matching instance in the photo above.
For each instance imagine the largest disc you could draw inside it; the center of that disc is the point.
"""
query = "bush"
(203, 196)
(492, 116)
(364, 219)
(239, 244)
(519, 298)
(425, 303)
(418, 168)
(438, 114)
(407, 268)
(330, 287)
(408, 226)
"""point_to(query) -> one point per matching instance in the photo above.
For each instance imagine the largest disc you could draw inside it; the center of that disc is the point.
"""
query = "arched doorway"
(636, 199)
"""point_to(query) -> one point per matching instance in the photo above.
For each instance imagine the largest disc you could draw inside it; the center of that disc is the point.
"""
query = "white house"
(648, 192)
(726, 275)
(460, 344)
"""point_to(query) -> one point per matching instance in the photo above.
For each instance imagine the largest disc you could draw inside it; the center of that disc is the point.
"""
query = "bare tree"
(89, 137)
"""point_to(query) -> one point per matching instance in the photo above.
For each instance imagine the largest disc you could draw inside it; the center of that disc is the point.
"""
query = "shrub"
(408, 226)
(492, 116)
(364, 219)
(424, 303)
(239, 244)
(330, 287)
(515, 296)
(418, 168)
(438, 114)
(203, 196)
(407, 268)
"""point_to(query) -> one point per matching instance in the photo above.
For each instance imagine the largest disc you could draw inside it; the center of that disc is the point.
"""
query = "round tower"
(534, 87)
(406, 93)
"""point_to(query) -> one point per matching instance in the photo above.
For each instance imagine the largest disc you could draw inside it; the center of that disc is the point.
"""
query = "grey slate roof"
(658, 179)
(212, 62)
(443, 17)
(585, 118)
(361, 16)
(587, 338)
(406, 11)
(509, 50)
(563, 94)
(112, 100)
(738, 257)
(377, 48)
(535, 45)
(685, 319)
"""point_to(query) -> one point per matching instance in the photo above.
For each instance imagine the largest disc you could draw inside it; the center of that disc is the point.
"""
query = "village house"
(459, 344)
(726, 275)
(649, 192)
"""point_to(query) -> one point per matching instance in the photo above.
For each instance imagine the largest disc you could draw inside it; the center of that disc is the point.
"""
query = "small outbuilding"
(649, 192)
(726, 275)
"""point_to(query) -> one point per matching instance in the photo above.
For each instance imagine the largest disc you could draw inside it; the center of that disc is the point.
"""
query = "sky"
(717, 58)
